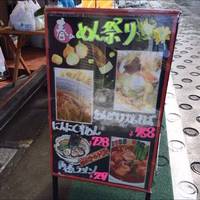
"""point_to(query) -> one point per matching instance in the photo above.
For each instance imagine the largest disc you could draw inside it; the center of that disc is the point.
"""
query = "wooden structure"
(7, 32)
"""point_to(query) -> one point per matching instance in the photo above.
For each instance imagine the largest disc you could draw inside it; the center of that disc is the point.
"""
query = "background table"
(7, 32)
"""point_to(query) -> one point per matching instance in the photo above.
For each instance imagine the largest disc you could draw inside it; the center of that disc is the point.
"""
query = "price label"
(143, 132)
(102, 176)
(100, 141)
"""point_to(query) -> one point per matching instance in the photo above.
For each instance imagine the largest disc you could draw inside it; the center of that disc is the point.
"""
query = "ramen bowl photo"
(71, 154)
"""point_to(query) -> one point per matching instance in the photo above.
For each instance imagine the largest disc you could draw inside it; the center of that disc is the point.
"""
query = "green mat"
(162, 184)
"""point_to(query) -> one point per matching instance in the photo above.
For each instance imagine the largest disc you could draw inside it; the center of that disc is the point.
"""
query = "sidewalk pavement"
(185, 75)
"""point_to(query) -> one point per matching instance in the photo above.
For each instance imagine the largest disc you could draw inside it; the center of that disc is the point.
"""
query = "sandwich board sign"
(108, 71)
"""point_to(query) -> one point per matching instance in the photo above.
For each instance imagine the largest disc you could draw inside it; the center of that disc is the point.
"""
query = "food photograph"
(74, 94)
(128, 161)
(71, 148)
(105, 60)
(137, 81)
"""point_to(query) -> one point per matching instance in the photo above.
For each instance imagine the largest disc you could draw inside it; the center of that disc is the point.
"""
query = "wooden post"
(17, 58)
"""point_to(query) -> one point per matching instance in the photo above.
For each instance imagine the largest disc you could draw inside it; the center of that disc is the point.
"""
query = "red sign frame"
(123, 13)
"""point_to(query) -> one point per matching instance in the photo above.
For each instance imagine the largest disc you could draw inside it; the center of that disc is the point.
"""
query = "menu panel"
(107, 77)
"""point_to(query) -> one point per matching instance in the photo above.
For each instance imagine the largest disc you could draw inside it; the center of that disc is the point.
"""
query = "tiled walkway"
(183, 106)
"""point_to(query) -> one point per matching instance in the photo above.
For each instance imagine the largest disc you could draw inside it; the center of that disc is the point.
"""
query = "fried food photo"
(128, 163)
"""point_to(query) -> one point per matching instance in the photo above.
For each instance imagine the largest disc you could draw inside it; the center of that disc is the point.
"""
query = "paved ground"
(27, 175)
(185, 74)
